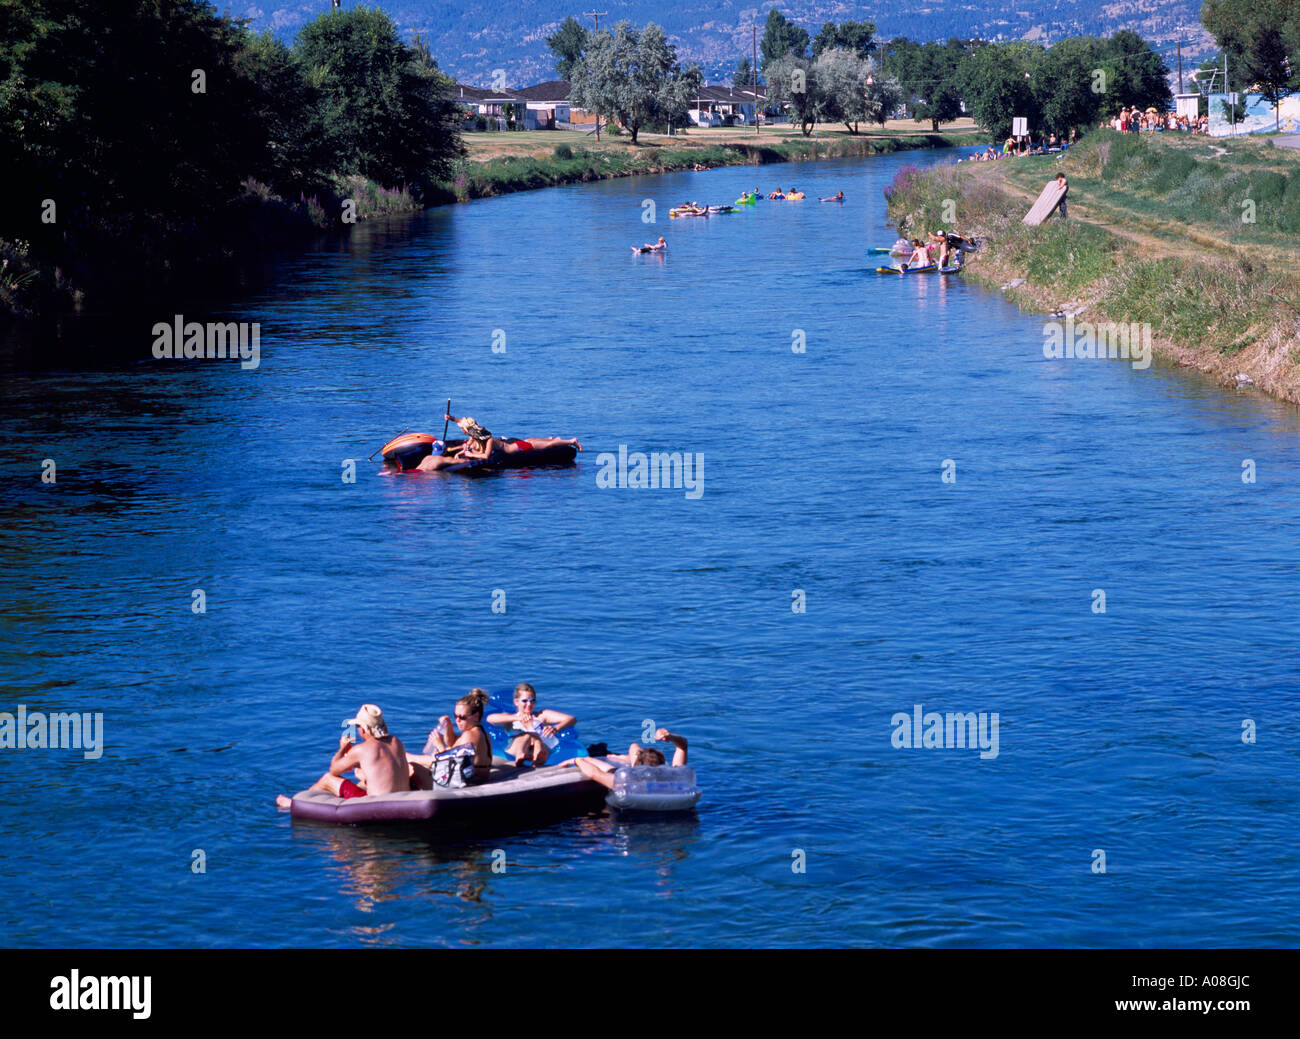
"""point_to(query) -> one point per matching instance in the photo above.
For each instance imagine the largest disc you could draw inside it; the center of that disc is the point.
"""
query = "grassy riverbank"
(499, 163)
(1190, 235)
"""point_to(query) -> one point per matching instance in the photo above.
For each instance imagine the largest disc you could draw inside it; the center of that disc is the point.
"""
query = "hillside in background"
(471, 38)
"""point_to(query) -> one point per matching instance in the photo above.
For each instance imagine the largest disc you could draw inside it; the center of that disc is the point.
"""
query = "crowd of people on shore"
(382, 765)
(1134, 120)
(1026, 144)
(1129, 120)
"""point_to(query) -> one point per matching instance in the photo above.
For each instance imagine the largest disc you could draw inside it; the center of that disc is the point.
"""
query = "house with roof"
(547, 105)
(497, 107)
(720, 105)
(543, 106)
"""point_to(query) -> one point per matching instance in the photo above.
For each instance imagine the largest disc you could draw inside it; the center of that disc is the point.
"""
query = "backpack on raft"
(454, 767)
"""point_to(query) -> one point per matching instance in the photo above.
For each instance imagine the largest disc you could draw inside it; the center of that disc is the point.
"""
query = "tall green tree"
(792, 81)
(858, 37)
(883, 98)
(568, 43)
(910, 65)
(941, 105)
(101, 110)
(285, 109)
(781, 38)
(1070, 82)
(389, 113)
(1139, 76)
(841, 78)
(633, 75)
(997, 86)
(1268, 65)
(744, 74)
(1238, 24)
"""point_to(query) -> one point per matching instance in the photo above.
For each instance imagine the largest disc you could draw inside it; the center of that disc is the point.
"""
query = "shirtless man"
(1064, 184)
(603, 771)
(939, 240)
(440, 458)
(380, 756)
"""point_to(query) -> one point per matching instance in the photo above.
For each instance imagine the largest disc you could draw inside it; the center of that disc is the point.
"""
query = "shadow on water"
(116, 329)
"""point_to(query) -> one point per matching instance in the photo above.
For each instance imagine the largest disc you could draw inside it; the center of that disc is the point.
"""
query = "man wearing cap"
(380, 757)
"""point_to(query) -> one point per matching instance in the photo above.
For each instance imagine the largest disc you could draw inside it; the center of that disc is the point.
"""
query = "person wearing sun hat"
(483, 444)
(379, 757)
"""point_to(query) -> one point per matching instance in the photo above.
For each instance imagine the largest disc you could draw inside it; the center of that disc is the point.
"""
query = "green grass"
(1217, 300)
(1068, 254)
(1185, 302)
(1207, 189)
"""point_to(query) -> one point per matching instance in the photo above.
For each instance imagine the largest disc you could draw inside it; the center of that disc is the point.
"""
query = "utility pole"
(1180, 59)
(596, 15)
(1228, 87)
(755, 29)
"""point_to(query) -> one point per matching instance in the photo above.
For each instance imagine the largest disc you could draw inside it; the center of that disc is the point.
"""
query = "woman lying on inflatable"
(481, 445)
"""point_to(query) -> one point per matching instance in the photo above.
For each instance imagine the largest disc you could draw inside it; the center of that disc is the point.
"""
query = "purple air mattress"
(509, 795)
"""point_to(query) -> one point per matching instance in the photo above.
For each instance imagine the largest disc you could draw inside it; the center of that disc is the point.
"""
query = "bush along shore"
(1183, 235)
(574, 163)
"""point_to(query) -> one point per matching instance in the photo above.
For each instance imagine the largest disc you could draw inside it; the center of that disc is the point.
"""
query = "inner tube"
(566, 742)
(408, 450)
(654, 788)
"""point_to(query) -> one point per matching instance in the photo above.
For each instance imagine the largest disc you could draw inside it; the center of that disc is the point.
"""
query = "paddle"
(371, 457)
(446, 420)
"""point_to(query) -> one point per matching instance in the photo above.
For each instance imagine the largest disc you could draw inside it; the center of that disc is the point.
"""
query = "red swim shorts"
(523, 445)
(349, 789)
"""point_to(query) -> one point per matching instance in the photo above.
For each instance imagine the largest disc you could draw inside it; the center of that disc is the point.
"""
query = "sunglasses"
(527, 699)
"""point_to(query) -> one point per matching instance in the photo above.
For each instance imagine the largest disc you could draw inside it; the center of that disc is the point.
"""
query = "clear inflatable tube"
(654, 788)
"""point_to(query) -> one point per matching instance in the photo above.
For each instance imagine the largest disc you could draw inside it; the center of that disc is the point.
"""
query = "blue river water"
(1123, 807)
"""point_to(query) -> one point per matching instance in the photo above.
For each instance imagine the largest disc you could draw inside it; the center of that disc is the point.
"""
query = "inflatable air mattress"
(509, 795)
(407, 451)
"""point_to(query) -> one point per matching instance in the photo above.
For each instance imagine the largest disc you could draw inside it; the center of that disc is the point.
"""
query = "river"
(894, 457)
